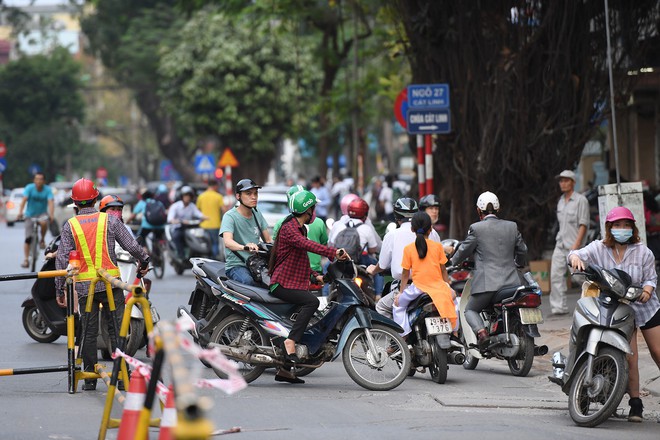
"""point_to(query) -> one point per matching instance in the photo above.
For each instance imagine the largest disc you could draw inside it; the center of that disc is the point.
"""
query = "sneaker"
(89, 385)
(636, 409)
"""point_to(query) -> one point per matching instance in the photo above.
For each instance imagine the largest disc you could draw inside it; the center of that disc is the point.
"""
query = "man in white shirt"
(179, 213)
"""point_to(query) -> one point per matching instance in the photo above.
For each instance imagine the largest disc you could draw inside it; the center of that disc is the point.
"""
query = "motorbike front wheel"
(134, 339)
(522, 363)
(591, 405)
(228, 332)
(383, 369)
(470, 362)
(36, 327)
(438, 367)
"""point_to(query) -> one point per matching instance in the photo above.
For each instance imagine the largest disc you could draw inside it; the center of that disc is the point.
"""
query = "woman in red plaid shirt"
(291, 275)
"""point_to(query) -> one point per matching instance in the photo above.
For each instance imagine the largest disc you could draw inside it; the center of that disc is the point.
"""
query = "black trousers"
(309, 305)
(90, 321)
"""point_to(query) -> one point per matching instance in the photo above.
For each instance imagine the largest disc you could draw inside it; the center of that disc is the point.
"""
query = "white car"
(12, 205)
(273, 206)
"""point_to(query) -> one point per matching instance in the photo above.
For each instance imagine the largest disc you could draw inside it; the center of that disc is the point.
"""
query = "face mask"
(116, 214)
(312, 218)
(622, 235)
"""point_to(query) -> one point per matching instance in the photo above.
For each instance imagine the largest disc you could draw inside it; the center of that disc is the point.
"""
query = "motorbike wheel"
(379, 371)
(590, 406)
(228, 332)
(522, 363)
(178, 269)
(470, 362)
(303, 371)
(438, 367)
(159, 268)
(36, 327)
(134, 339)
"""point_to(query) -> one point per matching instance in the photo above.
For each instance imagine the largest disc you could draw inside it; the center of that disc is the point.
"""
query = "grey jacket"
(497, 245)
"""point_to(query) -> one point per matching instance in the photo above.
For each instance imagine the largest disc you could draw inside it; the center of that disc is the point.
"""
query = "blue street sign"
(428, 121)
(3, 164)
(428, 96)
(34, 168)
(204, 164)
(167, 171)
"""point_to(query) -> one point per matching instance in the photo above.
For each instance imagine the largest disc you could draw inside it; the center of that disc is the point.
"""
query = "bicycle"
(34, 242)
(157, 249)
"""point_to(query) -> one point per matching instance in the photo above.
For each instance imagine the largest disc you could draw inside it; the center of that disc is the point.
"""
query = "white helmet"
(488, 198)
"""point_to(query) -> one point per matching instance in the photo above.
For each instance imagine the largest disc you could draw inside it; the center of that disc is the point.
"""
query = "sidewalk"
(555, 333)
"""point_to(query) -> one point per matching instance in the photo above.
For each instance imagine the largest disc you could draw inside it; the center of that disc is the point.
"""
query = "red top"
(292, 269)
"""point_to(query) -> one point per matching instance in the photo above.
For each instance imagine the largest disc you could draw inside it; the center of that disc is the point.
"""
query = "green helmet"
(301, 202)
(294, 189)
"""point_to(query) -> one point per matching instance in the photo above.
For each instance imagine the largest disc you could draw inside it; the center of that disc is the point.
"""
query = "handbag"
(257, 264)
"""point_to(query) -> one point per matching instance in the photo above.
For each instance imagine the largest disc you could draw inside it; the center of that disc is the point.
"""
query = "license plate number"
(154, 315)
(436, 325)
(531, 316)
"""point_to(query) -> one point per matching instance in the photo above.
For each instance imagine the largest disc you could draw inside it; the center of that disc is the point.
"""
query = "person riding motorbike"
(430, 204)
(497, 245)
(291, 274)
(239, 232)
(179, 213)
(88, 231)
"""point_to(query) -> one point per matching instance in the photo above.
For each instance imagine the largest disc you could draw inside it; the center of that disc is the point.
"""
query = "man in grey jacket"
(497, 245)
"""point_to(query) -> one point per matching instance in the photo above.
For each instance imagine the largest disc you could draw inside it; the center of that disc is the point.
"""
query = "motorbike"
(595, 374)
(433, 344)
(251, 331)
(458, 275)
(197, 244)
(512, 321)
(137, 332)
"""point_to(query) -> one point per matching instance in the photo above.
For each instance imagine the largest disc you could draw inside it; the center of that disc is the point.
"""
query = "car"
(12, 205)
(273, 206)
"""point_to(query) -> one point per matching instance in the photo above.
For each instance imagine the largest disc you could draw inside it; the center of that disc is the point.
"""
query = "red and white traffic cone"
(133, 404)
(168, 419)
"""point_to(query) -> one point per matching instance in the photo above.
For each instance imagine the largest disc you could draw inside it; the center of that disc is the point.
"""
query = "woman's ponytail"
(421, 225)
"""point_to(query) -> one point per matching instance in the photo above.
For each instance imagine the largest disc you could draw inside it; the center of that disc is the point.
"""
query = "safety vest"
(89, 234)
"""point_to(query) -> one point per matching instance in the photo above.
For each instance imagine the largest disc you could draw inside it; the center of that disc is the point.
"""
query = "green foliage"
(40, 107)
(251, 84)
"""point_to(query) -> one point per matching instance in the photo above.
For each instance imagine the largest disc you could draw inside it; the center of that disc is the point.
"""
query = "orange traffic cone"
(132, 407)
(168, 420)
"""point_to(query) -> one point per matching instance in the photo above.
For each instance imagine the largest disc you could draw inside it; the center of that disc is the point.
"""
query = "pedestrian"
(243, 227)
(322, 196)
(86, 232)
(386, 197)
(497, 247)
(573, 220)
(291, 274)
(40, 208)
(212, 205)
(425, 261)
(622, 249)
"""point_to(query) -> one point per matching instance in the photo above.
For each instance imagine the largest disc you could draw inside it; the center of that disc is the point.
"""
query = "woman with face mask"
(622, 249)
(291, 274)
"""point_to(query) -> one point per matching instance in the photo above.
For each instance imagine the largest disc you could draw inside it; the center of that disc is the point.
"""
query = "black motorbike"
(197, 244)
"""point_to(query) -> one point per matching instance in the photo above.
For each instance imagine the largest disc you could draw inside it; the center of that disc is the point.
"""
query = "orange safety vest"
(89, 234)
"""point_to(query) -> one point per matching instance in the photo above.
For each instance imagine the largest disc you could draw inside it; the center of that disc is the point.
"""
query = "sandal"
(42, 244)
(25, 264)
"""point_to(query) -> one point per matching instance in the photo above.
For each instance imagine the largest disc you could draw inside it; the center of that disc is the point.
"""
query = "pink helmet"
(345, 201)
(619, 213)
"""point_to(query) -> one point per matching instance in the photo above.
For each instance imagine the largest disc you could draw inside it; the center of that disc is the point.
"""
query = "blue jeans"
(379, 281)
(241, 274)
(213, 236)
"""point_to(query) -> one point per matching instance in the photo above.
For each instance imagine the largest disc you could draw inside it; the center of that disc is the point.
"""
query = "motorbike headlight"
(616, 285)
(633, 293)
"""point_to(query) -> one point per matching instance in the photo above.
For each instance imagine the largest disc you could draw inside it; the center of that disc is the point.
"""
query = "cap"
(567, 174)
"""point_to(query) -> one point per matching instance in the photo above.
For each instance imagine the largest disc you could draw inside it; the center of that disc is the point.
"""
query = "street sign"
(3, 164)
(428, 96)
(3, 149)
(401, 107)
(428, 121)
(228, 159)
(34, 168)
(167, 171)
(204, 164)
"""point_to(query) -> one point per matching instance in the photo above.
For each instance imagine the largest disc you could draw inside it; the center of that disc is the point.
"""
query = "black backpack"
(155, 212)
(349, 239)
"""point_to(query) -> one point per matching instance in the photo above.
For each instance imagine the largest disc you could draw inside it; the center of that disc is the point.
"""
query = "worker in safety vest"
(93, 235)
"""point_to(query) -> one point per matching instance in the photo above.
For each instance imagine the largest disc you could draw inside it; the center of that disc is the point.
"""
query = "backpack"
(155, 212)
(349, 239)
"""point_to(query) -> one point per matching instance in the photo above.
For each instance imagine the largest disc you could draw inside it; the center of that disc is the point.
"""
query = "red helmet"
(84, 190)
(358, 208)
(109, 201)
(620, 213)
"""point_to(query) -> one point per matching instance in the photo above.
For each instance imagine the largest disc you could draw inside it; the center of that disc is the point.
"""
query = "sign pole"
(228, 184)
(421, 179)
(428, 147)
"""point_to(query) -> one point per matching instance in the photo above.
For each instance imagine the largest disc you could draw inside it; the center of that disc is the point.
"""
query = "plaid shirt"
(638, 262)
(116, 231)
(292, 269)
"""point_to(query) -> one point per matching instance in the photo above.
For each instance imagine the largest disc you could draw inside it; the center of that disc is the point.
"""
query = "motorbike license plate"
(531, 316)
(154, 315)
(436, 325)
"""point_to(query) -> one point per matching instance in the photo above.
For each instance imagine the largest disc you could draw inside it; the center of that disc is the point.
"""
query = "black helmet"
(245, 184)
(405, 207)
(429, 200)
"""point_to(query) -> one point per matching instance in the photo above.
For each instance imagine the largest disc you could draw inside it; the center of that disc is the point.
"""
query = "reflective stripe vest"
(89, 234)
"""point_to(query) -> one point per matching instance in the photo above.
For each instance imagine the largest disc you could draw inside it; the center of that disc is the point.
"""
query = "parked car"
(12, 206)
(273, 206)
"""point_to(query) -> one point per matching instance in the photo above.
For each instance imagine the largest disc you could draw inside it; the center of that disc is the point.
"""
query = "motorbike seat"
(419, 302)
(258, 294)
(213, 269)
(506, 294)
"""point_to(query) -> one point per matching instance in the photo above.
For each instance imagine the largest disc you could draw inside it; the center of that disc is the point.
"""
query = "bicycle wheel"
(34, 246)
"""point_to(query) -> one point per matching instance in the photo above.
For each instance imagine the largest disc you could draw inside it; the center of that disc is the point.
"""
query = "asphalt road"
(485, 403)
